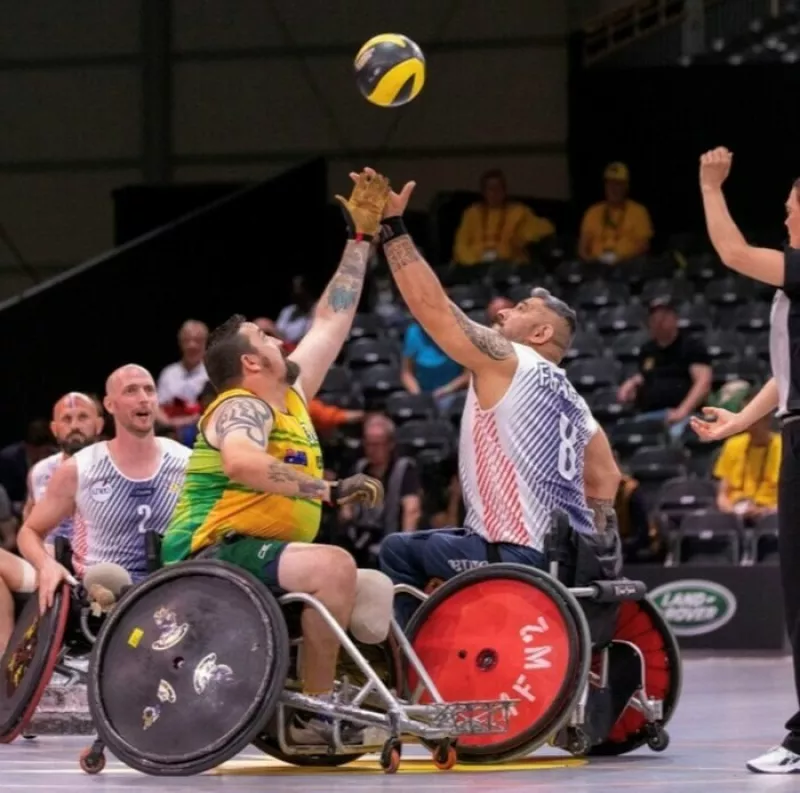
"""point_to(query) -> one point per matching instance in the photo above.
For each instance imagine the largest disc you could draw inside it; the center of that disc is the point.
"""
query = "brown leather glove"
(364, 209)
(357, 489)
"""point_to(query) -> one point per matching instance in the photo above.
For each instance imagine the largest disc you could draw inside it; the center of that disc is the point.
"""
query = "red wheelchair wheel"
(504, 631)
(641, 624)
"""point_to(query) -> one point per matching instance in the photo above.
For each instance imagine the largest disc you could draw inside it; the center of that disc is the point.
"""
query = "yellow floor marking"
(408, 765)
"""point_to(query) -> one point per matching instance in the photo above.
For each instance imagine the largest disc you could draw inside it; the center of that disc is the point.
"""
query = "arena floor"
(731, 710)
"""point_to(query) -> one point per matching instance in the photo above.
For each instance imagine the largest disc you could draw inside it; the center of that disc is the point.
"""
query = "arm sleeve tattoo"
(603, 509)
(345, 287)
(488, 341)
(243, 414)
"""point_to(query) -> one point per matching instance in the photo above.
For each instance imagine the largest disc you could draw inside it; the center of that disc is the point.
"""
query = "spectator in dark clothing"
(674, 376)
(365, 528)
(18, 458)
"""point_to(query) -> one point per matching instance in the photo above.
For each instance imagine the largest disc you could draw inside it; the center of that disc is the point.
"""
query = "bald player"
(76, 423)
(118, 490)
(528, 445)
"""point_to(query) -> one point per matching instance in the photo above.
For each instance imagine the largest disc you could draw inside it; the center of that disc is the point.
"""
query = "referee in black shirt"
(782, 391)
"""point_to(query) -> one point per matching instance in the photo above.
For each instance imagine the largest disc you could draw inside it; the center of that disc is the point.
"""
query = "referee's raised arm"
(764, 264)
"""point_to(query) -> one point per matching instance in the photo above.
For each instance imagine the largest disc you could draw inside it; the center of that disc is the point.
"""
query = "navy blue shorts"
(415, 558)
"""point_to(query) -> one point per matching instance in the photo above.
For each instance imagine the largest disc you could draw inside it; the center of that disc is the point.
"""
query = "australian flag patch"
(295, 457)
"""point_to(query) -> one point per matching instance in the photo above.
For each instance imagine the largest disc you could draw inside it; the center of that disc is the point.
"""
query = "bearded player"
(254, 487)
(529, 444)
(118, 490)
(77, 422)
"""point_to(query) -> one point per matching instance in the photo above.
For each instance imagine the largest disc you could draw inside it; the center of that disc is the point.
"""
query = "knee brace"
(373, 608)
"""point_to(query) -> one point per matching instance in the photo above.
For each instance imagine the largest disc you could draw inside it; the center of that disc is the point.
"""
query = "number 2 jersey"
(523, 458)
(113, 513)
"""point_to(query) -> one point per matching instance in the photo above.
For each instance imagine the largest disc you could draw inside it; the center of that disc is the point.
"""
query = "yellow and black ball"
(390, 70)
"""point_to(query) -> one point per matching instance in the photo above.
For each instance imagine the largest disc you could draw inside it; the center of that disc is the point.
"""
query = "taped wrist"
(391, 228)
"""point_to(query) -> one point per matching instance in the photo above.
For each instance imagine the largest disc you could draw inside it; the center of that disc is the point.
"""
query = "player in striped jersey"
(77, 421)
(529, 444)
(117, 490)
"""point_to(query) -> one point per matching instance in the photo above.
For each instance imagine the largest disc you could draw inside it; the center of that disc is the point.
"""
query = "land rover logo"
(694, 607)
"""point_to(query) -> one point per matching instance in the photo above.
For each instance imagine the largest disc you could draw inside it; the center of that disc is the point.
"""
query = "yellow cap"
(617, 171)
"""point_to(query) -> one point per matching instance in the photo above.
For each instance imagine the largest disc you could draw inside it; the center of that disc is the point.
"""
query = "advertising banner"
(718, 607)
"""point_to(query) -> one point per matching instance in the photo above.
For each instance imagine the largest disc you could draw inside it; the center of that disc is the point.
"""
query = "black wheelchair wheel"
(187, 668)
(504, 631)
(640, 623)
(29, 660)
(383, 658)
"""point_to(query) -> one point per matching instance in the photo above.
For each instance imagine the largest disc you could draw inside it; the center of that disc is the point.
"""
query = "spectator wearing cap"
(497, 229)
(616, 228)
(748, 468)
(674, 375)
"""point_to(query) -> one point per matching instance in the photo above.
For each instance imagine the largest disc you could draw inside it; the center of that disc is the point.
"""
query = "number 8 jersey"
(523, 458)
(113, 512)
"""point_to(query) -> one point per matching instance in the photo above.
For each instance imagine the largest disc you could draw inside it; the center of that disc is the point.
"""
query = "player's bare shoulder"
(242, 415)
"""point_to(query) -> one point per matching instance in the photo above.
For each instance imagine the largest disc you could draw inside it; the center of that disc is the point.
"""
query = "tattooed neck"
(345, 287)
(603, 509)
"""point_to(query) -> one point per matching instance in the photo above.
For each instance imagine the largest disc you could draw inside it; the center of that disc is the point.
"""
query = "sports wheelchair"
(48, 644)
(590, 663)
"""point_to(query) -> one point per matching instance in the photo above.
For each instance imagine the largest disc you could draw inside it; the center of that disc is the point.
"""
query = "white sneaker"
(777, 760)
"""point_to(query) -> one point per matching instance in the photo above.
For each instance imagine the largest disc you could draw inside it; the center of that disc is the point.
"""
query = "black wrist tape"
(391, 228)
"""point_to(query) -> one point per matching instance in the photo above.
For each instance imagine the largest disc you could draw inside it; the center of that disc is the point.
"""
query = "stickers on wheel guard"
(171, 632)
(209, 672)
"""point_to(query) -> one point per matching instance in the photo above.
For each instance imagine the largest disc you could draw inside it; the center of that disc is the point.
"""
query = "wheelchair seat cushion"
(372, 612)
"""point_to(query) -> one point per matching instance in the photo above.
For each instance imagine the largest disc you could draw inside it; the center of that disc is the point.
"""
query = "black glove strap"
(333, 500)
(391, 228)
(352, 234)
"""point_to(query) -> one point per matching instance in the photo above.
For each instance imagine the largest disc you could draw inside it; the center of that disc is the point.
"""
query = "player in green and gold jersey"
(254, 490)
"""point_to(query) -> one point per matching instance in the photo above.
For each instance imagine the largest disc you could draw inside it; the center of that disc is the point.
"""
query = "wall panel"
(61, 217)
(70, 114)
(34, 29)
(219, 24)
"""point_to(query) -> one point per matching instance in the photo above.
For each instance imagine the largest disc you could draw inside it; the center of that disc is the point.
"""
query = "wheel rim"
(189, 684)
(533, 654)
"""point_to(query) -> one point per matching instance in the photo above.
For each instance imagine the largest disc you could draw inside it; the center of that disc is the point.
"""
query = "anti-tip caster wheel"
(445, 756)
(92, 762)
(577, 742)
(29, 736)
(390, 756)
(657, 737)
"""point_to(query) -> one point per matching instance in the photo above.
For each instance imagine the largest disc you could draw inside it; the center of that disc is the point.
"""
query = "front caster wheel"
(390, 756)
(445, 756)
(92, 762)
(657, 737)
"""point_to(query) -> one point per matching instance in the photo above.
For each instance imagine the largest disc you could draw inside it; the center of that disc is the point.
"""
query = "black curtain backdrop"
(238, 255)
(660, 120)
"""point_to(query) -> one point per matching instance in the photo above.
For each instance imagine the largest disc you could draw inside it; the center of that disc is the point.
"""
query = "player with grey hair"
(529, 444)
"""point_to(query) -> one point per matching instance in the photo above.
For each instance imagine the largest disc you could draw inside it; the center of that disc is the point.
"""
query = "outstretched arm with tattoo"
(336, 308)
(474, 346)
(240, 429)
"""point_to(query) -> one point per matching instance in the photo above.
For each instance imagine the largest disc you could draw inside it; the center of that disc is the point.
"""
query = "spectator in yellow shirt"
(617, 228)
(496, 229)
(747, 468)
